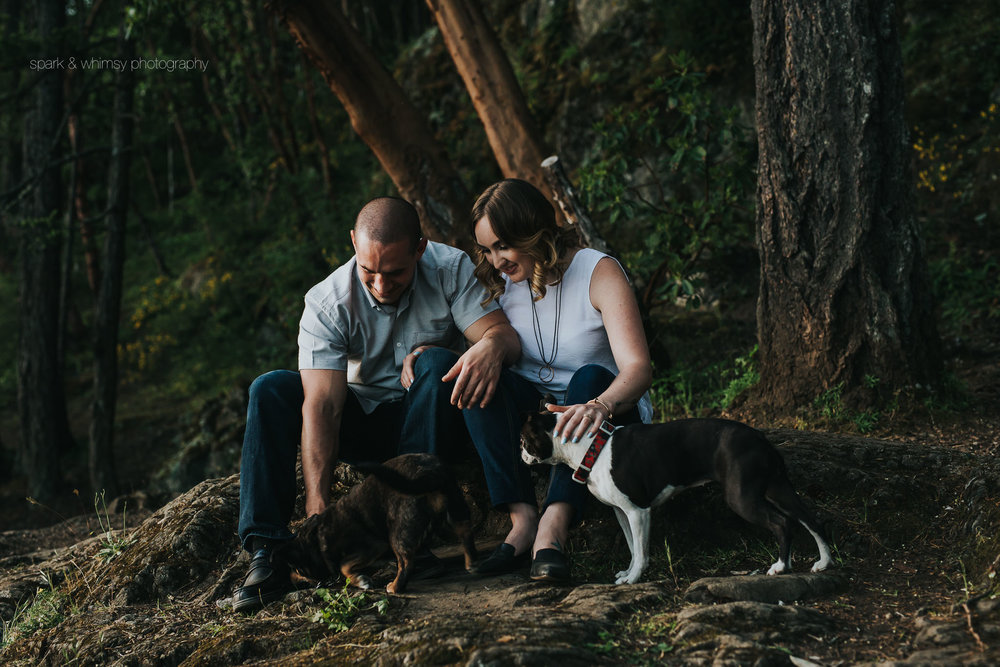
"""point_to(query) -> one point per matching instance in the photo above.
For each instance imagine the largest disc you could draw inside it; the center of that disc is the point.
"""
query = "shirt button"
(399, 345)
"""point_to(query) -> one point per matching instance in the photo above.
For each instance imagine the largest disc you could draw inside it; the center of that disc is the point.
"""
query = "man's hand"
(476, 374)
(314, 504)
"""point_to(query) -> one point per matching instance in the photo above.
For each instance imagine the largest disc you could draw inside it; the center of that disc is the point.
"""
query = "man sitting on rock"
(400, 295)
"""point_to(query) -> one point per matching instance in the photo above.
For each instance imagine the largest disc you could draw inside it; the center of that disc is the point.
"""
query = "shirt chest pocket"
(445, 337)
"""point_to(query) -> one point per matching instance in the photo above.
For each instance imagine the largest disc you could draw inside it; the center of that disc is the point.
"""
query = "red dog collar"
(590, 458)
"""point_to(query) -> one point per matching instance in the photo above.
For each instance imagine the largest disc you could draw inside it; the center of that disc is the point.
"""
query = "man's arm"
(494, 343)
(325, 393)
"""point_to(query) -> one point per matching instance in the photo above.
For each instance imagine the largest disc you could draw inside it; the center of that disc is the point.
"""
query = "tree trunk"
(844, 299)
(41, 397)
(493, 87)
(101, 459)
(10, 149)
(78, 202)
(383, 117)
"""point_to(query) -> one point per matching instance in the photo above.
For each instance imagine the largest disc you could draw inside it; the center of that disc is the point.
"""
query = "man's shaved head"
(388, 220)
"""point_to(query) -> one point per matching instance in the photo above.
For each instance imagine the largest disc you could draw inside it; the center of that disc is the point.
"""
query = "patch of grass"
(111, 544)
(47, 610)
(607, 643)
(642, 639)
(689, 390)
(341, 608)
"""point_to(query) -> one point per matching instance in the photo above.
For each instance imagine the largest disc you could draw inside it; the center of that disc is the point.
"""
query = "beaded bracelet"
(597, 401)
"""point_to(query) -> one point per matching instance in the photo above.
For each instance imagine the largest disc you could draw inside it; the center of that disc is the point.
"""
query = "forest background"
(245, 176)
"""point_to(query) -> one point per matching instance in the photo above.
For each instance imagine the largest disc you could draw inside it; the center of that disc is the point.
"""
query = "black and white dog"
(646, 464)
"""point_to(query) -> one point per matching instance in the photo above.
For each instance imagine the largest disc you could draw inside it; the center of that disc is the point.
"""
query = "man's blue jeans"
(423, 421)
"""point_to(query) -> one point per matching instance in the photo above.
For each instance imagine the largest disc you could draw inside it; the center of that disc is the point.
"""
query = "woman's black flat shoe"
(550, 565)
(502, 561)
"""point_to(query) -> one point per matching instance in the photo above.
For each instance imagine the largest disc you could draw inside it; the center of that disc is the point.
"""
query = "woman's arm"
(612, 296)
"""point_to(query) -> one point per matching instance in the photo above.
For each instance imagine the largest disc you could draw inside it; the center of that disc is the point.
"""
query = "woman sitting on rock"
(581, 341)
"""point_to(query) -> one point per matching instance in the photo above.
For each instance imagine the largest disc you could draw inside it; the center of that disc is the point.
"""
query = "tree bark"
(10, 153)
(383, 117)
(101, 456)
(844, 295)
(493, 87)
(41, 396)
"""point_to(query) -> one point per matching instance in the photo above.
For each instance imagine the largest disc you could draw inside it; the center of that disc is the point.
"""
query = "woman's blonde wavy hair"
(522, 218)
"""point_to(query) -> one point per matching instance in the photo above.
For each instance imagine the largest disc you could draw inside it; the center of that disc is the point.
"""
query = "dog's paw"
(820, 565)
(777, 568)
(626, 578)
(362, 581)
(620, 575)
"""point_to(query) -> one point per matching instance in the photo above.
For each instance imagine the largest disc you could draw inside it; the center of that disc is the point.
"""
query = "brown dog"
(397, 507)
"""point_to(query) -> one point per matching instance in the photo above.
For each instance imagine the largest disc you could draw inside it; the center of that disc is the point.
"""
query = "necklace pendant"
(546, 374)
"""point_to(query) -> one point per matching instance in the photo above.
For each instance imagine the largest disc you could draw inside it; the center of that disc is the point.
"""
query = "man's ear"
(421, 246)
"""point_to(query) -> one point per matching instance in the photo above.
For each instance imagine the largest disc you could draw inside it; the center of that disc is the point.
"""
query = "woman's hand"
(408, 374)
(577, 420)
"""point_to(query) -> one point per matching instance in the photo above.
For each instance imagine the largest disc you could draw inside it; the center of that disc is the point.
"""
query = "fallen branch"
(569, 204)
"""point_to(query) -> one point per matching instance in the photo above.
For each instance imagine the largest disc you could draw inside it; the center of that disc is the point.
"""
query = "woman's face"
(515, 264)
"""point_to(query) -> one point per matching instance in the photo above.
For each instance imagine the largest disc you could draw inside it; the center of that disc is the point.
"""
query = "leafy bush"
(967, 287)
(679, 170)
(687, 390)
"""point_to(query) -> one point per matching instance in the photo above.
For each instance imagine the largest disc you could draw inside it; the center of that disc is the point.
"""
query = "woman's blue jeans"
(587, 383)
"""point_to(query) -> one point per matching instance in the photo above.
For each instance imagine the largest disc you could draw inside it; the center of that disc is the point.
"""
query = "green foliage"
(642, 639)
(343, 607)
(607, 643)
(829, 402)
(47, 609)
(111, 545)
(951, 58)
(691, 390)
(742, 376)
(830, 406)
(8, 341)
(967, 287)
(673, 180)
(952, 61)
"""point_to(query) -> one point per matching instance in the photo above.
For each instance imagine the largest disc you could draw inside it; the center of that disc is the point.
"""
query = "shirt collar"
(400, 306)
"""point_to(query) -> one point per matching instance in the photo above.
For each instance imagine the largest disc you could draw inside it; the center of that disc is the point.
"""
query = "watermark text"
(120, 64)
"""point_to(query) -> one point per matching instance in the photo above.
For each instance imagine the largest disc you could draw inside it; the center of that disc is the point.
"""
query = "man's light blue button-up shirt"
(344, 328)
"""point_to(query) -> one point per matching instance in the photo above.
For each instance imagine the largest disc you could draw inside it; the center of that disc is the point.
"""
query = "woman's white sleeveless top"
(582, 338)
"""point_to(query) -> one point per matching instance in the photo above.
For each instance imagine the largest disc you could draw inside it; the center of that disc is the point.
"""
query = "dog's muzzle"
(527, 457)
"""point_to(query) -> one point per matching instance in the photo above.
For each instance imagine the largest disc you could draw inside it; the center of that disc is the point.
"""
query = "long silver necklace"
(547, 372)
